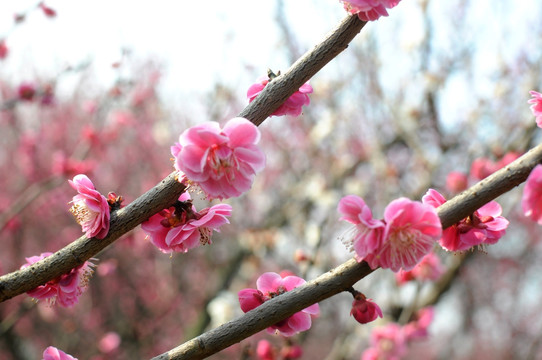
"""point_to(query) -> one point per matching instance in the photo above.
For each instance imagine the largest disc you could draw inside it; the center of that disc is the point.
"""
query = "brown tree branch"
(347, 274)
(168, 190)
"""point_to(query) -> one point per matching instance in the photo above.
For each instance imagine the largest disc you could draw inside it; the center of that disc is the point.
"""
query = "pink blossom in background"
(412, 228)
(419, 328)
(223, 162)
(270, 285)
(3, 49)
(369, 10)
(47, 10)
(291, 352)
(52, 353)
(364, 310)
(292, 106)
(482, 168)
(429, 269)
(536, 106)
(109, 342)
(265, 350)
(366, 235)
(26, 91)
(388, 342)
(65, 166)
(90, 208)
(531, 201)
(181, 227)
(484, 226)
(64, 290)
(456, 181)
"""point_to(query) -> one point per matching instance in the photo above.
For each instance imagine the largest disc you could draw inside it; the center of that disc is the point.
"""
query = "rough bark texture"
(159, 197)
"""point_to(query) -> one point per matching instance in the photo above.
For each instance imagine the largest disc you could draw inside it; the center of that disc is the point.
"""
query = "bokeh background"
(433, 88)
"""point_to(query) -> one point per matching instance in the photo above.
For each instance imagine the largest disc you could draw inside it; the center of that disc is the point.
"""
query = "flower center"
(222, 162)
(82, 213)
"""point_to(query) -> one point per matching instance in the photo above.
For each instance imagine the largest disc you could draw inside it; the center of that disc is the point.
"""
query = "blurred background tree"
(105, 90)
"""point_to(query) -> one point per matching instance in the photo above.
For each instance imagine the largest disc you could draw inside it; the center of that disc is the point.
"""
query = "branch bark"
(347, 274)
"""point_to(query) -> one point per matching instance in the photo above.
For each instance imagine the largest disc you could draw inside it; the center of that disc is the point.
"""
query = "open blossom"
(531, 202)
(484, 226)
(536, 106)
(292, 106)
(366, 235)
(223, 162)
(270, 285)
(181, 227)
(364, 310)
(369, 10)
(52, 353)
(412, 228)
(429, 269)
(64, 290)
(90, 208)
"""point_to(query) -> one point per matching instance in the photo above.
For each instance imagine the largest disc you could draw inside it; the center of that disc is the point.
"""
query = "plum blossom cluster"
(391, 341)
(64, 290)
(429, 269)
(369, 10)
(223, 162)
(90, 208)
(484, 226)
(270, 285)
(407, 233)
(52, 353)
(292, 106)
(181, 227)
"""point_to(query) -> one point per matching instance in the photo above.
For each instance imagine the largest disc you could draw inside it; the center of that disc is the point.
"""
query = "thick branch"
(347, 274)
(165, 193)
(159, 197)
(278, 90)
(271, 312)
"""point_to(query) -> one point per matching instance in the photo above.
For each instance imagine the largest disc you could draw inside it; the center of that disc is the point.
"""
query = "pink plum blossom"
(3, 49)
(366, 235)
(90, 208)
(292, 106)
(26, 91)
(536, 106)
(369, 10)
(484, 226)
(64, 290)
(412, 228)
(265, 351)
(531, 201)
(223, 162)
(388, 342)
(364, 310)
(429, 269)
(482, 167)
(52, 353)
(418, 329)
(456, 181)
(181, 227)
(270, 285)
